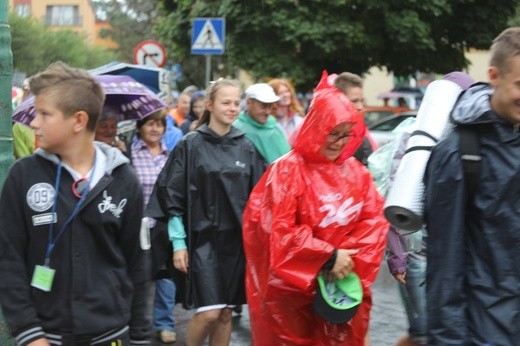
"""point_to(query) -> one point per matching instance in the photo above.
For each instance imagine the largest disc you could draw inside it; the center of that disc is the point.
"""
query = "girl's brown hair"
(295, 105)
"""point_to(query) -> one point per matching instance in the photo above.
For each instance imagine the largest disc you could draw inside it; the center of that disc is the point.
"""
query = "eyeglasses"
(334, 137)
(79, 187)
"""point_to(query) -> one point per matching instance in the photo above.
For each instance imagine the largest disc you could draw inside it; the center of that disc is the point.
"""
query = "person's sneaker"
(167, 336)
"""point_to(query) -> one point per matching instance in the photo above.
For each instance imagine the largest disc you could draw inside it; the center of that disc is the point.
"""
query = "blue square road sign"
(207, 36)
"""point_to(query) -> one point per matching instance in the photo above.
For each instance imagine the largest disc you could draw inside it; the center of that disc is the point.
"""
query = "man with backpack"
(472, 218)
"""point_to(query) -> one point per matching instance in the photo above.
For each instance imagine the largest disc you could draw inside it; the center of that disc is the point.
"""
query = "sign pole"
(6, 136)
(208, 69)
(6, 78)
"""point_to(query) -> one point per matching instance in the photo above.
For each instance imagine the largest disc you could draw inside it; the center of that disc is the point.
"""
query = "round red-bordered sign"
(150, 53)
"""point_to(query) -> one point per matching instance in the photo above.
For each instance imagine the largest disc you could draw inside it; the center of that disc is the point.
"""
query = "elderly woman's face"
(336, 141)
(106, 130)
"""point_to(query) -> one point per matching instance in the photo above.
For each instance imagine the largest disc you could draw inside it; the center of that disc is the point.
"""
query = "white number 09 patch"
(40, 196)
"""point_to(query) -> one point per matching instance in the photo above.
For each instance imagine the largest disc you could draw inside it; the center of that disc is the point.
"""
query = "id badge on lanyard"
(43, 275)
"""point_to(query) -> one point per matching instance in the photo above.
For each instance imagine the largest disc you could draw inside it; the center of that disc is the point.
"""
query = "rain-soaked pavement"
(388, 321)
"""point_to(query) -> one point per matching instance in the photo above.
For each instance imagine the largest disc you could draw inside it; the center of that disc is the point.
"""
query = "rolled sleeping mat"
(404, 202)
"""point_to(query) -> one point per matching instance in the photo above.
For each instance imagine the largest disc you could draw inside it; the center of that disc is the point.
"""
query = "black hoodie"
(101, 268)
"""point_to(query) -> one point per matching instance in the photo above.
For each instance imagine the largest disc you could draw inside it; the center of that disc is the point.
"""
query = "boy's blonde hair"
(347, 80)
(71, 90)
(504, 47)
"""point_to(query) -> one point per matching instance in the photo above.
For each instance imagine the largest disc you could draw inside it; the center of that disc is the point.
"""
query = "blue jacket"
(172, 134)
(473, 275)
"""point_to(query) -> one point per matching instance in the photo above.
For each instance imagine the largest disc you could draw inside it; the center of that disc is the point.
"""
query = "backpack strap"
(469, 146)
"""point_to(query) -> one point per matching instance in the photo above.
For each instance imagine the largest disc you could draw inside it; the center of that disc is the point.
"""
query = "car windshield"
(389, 124)
(373, 116)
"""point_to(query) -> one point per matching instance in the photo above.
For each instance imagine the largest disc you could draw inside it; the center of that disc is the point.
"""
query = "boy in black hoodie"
(73, 266)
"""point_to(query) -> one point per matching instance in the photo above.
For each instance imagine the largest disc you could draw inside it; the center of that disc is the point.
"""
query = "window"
(62, 16)
(390, 123)
(23, 10)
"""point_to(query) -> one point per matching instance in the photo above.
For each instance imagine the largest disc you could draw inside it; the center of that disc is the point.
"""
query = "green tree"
(131, 22)
(515, 19)
(298, 39)
(35, 46)
(26, 43)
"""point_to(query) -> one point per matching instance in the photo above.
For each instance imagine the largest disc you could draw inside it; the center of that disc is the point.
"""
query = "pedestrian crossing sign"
(208, 36)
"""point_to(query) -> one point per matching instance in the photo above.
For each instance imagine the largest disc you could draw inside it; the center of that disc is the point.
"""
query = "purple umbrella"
(132, 99)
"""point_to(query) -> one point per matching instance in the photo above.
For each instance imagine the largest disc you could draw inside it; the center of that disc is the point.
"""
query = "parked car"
(403, 96)
(371, 114)
(381, 131)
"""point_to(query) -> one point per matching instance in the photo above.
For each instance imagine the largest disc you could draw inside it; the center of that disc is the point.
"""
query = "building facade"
(379, 80)
(75, 15)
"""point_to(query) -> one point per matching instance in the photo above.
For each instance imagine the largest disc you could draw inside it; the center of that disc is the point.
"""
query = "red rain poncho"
(303, 208)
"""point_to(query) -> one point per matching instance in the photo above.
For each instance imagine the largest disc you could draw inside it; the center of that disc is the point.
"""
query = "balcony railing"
(63, 21)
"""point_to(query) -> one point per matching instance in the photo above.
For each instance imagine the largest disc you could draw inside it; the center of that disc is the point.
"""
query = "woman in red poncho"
(314, 209)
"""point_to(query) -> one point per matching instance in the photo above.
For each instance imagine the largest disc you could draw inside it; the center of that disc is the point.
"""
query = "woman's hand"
(401, 277)
(119, 144)
(180, 260)
(343, 266)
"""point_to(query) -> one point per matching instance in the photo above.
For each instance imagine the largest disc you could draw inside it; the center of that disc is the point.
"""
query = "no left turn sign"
(150, 53)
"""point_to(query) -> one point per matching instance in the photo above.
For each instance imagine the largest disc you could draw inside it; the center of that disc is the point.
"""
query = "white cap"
(262, 92)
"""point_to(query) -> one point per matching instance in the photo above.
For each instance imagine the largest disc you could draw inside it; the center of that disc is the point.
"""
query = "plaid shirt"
(147, 166)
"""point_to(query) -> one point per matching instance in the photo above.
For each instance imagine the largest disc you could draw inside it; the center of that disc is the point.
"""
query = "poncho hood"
(329, 108)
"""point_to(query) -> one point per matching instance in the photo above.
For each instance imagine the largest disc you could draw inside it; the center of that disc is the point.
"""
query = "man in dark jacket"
(473, 275)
